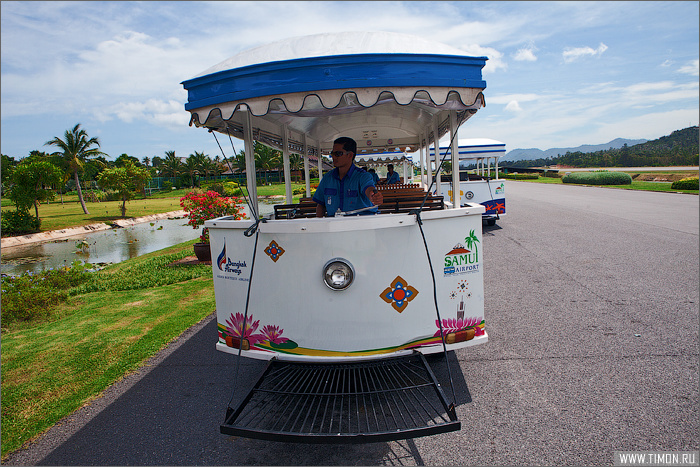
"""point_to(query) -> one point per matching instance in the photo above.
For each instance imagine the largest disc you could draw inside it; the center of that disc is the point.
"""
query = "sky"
(559, 74)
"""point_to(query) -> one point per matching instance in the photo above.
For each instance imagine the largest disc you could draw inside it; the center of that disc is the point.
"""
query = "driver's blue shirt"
(393, 178)
(347, 194)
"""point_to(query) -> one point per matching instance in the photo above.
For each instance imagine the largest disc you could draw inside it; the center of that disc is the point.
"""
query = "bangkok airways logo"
(225, 264)
(221, 260)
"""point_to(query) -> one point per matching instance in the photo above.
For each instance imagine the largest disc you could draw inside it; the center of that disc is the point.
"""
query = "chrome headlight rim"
(338, 274)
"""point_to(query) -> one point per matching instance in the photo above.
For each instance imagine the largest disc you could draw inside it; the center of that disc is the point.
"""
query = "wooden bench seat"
(402, 193)
(295, 211)
(399, 186)
(403, 204)
(408, 204)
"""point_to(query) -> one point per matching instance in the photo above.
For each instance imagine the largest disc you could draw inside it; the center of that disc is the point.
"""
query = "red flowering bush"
(210, 205)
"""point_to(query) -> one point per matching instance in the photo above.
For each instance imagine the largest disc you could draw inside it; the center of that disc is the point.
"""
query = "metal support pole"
(320, 160)
(307, 172)
(422, 148)
(286, 164)
(251, 178)
(436, 143)
(456, 198)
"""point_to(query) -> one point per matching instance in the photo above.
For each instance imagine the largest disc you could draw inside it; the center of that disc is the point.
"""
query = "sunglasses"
(338, 153)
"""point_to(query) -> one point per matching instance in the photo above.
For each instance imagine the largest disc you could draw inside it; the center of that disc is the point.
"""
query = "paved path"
(592, 314)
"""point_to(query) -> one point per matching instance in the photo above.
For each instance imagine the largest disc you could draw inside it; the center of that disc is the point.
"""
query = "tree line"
(78, 159)
(677, 149)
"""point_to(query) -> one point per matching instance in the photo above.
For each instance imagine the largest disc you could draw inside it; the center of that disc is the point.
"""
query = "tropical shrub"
(232, 189)
(31, 296)
(201, 207)
(19, 223)
(598, 178)
(142, 274)
(218, 187)
(690, 183)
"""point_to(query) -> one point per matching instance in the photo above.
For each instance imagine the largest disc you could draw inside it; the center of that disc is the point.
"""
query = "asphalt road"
(592, 315)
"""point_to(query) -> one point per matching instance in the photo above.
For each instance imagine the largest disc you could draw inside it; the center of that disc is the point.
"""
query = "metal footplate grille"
(381, 400)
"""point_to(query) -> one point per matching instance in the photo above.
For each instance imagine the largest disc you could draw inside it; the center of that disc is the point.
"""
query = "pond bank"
(73, 231)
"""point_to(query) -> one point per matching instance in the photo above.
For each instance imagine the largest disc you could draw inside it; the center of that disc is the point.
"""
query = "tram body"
(387, 310)
(362, 294)
(483, 186)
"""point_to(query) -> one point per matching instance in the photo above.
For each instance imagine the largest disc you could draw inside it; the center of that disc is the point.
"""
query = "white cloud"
(573, 54)
(514, 107)
(507, 98)
(526, 54)
(164, 113)
(690, 68)
(495, 58)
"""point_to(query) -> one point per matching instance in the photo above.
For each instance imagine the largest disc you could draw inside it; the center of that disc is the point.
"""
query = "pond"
(102, 247)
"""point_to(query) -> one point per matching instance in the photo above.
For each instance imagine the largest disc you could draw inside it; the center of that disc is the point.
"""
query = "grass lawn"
(51, 368)
(55, 215)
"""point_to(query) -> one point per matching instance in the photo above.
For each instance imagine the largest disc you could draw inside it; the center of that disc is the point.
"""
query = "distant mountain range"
(534, 153)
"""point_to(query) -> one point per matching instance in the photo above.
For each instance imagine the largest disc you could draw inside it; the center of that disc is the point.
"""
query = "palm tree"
(238, 162)
(146, 161)
(171, 165)
(221, 166)
(195, 165)
(266, 158)
(204, 163)
(211, 167)
(296, 163)
(77, 149)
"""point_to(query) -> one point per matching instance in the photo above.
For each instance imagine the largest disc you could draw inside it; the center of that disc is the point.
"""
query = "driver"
(347, 187)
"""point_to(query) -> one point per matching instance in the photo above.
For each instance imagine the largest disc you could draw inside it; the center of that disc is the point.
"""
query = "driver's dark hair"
(349, 144)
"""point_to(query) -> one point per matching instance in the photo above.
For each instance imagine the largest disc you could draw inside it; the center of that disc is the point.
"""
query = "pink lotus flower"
(274, 334)
(235, 328)
(455, 325)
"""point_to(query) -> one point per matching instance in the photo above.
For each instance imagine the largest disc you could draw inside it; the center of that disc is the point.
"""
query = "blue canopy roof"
(391, 84)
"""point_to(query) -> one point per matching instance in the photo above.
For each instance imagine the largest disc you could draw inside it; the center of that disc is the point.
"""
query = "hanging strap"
(417, 212)
(253, 229)
(229, 409)
(250, 207)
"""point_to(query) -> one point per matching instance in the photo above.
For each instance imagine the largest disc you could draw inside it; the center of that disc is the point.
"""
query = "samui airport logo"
(463, 259)
(225, 264)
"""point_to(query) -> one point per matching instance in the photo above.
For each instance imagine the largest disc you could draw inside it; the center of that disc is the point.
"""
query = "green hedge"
(527, 176)
(598, 178)
(690, 183)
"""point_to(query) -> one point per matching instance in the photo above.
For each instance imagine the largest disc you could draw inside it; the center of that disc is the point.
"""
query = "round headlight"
(338, 274)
